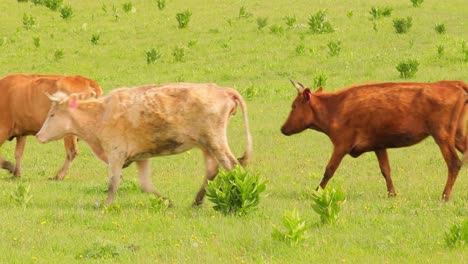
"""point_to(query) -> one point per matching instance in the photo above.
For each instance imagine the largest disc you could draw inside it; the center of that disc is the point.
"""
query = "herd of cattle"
(133, 124)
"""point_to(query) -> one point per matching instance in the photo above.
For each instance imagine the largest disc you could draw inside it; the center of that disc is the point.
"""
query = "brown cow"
(134, 124)
(24, 107)
(378, 116)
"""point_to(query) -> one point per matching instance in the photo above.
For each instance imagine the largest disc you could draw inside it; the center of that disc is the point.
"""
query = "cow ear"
(307, 94)
(319, 90)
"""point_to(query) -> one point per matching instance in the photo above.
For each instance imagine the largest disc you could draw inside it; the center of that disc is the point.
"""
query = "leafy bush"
(161, 4)
(243, 13)
(95, 38)
(407, 68)
(250, 92)
(275, 29)
(300, 49)
(152, 55)
(159, 204)
(318, 23)
(334, 48)
(440, 50)
(417, 3)
(178, 53)
(235, 192)
(66, 12)
(21, 195)
(320, 80)
(36, 42)
(440, 28)
(328, 204)
(58, 54)
(52, 4)
(290, 21)
(29, 21)
(19, 1)
(350, 14)
(127, 7)
(402, 25)
(379, 12)
(37, 2)
(262, 22)
(294, 231)
(183, 18)
(457, 236)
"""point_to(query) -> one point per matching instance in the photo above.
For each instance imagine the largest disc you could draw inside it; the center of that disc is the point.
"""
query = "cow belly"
(164, 148)
(384, 141)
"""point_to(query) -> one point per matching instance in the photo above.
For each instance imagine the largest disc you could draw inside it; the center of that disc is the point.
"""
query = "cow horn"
(52, 98)
(298, 86)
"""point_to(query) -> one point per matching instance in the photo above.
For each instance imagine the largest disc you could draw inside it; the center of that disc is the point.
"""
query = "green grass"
(62, 223)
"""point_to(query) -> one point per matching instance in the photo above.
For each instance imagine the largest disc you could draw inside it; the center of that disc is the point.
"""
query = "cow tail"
(248, 137)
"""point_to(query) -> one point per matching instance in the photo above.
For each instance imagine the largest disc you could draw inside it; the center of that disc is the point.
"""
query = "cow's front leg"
(115, 174)
(19, 150)
(332, 165)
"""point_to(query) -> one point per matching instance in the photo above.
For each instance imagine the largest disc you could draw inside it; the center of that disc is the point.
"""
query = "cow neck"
(320, 104)
(87, 120)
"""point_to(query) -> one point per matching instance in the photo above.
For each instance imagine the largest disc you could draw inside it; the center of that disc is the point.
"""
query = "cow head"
(58, 122)
(301, 115)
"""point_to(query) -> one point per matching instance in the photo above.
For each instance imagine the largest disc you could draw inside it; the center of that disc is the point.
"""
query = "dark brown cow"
(24, 107)
(378, 116)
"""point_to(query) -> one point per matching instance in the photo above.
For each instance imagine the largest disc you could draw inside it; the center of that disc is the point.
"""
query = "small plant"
(53, 4)
(250, 92)
(19, 1)
(350, 14)
(95, 38)
(183, 18)
(21, 195)
(379, 12)
(300, 49)
(402, 25)
(407, 68)
(318, 23)
(294, 231)
(101, 250)
(290, 21)
(36, 42)
(37, 2)
(29, 21)
(440, 28)
(152, 55)
(327, 203)
(235, 192)
(320, 80)
(457, 236)
(440, 50)
(58, 54)
(115, 13)
(262, 22)
(417, 3)
(127, 7)
(275, 29)
(178, 53)
(66, 12)
(161, 4)
(159, 204)
(243, 13)
(334, 48)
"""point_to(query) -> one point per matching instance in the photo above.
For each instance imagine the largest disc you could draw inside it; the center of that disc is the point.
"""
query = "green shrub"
(417, 3)
(350, 13)
(37, 2)
(327, 203)
(159, 204)
(243, 13)
(294, 231)
(21, 195)
(262, 22)
(127, 7)
(276, 29)
(320, 80)
(161, 4)
(300, 49)
(152, 55)
(95, 38)
(402, 25)
(334, 48)
(440, 50)
(235, 192)
(36, 42)
(19, 1)
(407, 68)
(66, 12)
(58, 54)
(179, 53)
(290, 21)
(250, 92)
(457, 236)
(29, 21)
(52, 4)
(318, 23)
(440, 28)
(183, 18)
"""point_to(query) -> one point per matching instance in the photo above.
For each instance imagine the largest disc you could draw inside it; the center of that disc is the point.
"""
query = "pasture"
(227, 42)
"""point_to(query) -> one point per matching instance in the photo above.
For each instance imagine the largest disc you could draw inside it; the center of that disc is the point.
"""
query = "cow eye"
(52, 115)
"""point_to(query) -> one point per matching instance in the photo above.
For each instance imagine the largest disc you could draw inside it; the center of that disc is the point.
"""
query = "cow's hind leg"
(453, 164)
(144, 175)
(115, 175)
(384, 165)
(4, 164)
(212, 167)
(71, 148)
(19, 150)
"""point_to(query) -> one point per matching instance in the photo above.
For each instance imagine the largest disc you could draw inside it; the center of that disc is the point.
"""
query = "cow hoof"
(390, 194)
(55, 178)
(8, 166)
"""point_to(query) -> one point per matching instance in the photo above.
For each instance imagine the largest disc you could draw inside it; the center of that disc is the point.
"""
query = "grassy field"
(62, 224)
